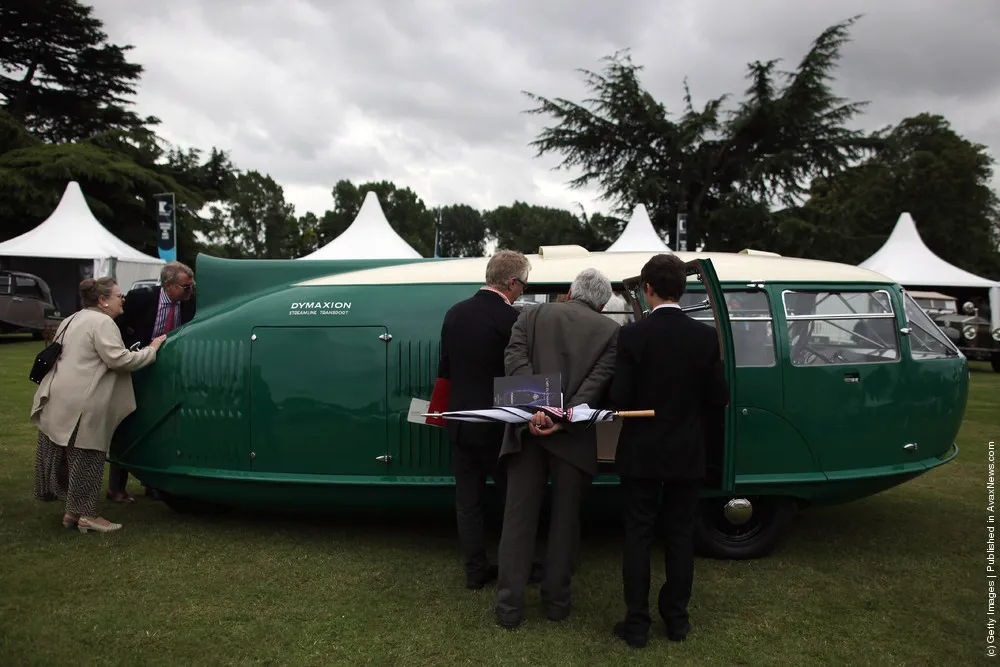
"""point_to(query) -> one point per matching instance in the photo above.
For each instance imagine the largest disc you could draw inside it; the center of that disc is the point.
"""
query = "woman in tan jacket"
(80, 403)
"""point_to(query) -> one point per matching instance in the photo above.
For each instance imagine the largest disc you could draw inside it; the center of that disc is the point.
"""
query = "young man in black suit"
(148, 313)
(473, 339)
(672, 364)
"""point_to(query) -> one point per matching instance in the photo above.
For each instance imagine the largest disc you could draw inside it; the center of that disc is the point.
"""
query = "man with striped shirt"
(148, 313)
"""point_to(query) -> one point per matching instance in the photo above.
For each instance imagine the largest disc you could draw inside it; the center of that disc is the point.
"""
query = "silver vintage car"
(968, 329)
(26, 304)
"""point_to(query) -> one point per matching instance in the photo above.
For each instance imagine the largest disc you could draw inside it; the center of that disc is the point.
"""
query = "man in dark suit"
(473, 338)
(672, 364)
(577, 341)
(148, 313)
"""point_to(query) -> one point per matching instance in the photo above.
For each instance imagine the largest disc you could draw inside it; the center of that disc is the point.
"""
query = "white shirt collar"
(667, 305)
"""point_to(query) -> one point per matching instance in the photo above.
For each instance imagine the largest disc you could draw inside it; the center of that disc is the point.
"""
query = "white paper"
(418, 407)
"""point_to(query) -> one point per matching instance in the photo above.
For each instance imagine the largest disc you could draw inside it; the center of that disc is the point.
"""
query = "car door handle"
(852, 378)
(17, 298)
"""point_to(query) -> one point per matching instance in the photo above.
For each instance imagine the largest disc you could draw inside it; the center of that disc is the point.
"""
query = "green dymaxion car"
(298, 386)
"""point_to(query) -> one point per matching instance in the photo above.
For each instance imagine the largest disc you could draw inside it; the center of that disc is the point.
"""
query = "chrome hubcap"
(738, 511)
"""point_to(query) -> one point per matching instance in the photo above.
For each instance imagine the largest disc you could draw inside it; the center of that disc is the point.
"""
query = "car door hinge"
(386, 337)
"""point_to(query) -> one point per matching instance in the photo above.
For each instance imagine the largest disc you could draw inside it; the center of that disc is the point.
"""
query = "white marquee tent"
(639, 235)
(72, 232)
(370, 236)
(906, 259)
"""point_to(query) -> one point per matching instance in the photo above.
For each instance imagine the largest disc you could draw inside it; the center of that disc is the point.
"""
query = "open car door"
(720, 436)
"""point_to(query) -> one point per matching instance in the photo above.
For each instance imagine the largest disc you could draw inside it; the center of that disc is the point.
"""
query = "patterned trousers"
(68, 473)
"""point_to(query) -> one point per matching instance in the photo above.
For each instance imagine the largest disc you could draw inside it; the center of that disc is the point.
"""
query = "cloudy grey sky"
(426, 93)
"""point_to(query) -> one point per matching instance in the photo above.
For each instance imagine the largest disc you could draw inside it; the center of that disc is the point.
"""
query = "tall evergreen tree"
(789, 128)
(59, 76)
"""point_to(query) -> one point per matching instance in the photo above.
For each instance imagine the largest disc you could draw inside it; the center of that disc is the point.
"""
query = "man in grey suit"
(577, 341)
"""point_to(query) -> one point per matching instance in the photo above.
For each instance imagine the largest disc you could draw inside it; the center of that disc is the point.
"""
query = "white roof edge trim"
(730, 267)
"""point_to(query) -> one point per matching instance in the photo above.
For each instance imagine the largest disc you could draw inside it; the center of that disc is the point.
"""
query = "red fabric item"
(439, 401)
(168, 326)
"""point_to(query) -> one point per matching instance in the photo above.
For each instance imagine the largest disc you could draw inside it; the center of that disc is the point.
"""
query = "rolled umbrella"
(521, 414)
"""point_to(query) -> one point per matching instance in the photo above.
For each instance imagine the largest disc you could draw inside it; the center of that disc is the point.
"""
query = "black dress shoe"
(557, 614)
(635, 641)
(678, 634)
(478, 581)
(510, 624)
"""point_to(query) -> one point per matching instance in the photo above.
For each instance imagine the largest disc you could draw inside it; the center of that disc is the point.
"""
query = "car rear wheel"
(741, 528)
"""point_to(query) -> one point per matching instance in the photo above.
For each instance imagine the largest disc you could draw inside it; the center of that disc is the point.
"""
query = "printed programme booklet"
(545, 389)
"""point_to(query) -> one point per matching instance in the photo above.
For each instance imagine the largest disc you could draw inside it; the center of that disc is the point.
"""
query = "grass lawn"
(897, 579)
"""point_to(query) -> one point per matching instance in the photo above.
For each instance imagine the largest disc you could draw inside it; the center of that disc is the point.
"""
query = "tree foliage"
(463, 232)
(255, 223)
(922, 167)
(524, 227)
(64, 98)
(789, 128)
(59, 76)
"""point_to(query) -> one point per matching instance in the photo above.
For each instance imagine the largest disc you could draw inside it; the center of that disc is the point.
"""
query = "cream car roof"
(560, 264)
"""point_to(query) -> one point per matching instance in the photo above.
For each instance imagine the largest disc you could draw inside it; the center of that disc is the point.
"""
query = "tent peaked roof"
(72, 232)
(639, 235)
(370, 236)
(905, 259)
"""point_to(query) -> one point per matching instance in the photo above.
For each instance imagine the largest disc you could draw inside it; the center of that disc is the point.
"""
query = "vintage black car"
(968, 329)
(26, 304)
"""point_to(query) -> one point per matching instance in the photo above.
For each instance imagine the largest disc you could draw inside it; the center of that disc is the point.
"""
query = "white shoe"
(98, 524)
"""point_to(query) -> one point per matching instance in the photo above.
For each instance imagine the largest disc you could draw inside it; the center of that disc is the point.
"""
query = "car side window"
(851, 327)
(27, 287)
(750, 321)
(4, 283)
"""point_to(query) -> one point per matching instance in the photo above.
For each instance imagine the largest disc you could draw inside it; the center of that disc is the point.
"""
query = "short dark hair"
(667, 276)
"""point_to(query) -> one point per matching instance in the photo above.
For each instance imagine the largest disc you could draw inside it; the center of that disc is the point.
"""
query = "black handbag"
(48, 357)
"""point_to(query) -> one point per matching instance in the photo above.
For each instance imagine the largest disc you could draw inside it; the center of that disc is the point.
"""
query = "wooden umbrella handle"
(636, 413)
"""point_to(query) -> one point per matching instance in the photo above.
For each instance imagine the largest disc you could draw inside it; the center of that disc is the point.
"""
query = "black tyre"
(716, 536)
(995, 363)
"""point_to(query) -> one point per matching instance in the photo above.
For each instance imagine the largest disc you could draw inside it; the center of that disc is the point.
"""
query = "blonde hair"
(504, 265)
